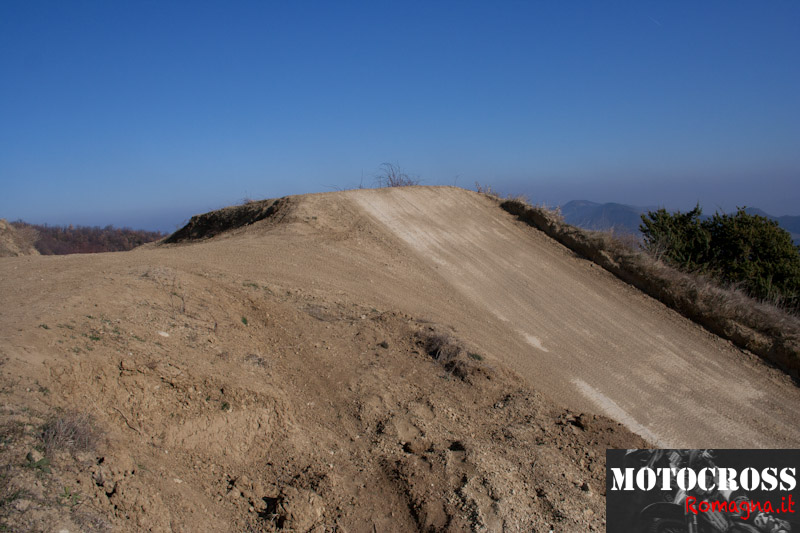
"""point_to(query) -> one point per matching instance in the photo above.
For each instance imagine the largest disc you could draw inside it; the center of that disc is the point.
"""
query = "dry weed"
(441, 346)
(393, 176)
(73, 431)
(487, 190)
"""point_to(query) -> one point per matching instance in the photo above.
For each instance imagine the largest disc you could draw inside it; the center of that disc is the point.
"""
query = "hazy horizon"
(169, 220)
(142, 114)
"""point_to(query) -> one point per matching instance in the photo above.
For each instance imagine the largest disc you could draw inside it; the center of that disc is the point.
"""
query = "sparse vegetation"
(441, 346)
(42, 464)
(8, 495)
(449, 352)
(72, 431)
(487, 190)
(39, 491)
(393, 176)
(69, 498)
(62, 240)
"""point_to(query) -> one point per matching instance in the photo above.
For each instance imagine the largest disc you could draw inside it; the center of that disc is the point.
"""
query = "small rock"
(22, 505)
(34, 456)
(299, 509)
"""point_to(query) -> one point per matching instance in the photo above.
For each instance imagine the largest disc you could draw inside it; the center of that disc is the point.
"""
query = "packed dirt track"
(394, 359)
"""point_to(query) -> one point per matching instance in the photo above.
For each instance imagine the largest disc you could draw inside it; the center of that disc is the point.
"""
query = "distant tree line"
(749, 251)
(62, 240)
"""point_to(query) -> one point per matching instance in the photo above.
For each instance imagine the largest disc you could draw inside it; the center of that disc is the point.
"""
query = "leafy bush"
(679, 238)
(739, 249)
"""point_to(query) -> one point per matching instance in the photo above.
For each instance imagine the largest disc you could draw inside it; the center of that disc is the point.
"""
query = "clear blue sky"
(143, 112)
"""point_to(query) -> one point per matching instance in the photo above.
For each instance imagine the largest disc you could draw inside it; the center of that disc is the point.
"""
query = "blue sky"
(143, 113)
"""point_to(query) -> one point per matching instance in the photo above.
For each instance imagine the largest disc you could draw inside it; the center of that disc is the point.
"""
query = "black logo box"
(624, 508)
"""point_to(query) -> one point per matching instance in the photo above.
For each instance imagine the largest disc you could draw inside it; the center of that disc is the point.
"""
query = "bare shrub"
(62, 240)
(625, 240)
(487, 190)
(441, 346)
(72, 431)
(393, 176)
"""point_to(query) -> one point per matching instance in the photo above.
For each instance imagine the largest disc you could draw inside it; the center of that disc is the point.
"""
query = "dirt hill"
(377, 360)
(14, 243)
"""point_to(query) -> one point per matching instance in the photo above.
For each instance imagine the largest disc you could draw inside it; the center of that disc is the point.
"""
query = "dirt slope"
(14, 243)
(275, 376)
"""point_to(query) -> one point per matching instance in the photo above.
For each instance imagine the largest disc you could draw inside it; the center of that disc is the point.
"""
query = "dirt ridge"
(385, 360)
(213, 223)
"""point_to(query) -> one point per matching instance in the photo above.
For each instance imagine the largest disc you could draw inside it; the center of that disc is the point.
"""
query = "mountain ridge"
(626, 217)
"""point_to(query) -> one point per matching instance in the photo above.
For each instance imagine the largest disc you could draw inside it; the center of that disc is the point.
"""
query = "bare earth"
(273, 378)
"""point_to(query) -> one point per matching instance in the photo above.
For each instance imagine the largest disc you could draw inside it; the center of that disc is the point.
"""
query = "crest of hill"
(14, 242)
(760, 328)
(213, 223)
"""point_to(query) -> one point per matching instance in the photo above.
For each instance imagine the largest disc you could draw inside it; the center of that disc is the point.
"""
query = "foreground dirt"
(277, 377)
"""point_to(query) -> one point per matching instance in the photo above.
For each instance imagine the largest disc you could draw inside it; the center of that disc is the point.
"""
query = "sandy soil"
(14, 243)
(275, 377)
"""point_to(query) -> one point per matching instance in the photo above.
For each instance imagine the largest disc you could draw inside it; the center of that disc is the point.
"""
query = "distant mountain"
(626, 218)
(594, 216)
(787, 222)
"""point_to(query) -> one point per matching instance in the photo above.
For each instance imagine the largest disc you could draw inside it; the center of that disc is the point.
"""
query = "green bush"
(680, 238)
(751, 251)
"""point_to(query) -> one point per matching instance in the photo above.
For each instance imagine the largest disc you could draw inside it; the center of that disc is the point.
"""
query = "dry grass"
(70, 431)
(487, 190)
(452, 355)
(441, 346)
(761, 327)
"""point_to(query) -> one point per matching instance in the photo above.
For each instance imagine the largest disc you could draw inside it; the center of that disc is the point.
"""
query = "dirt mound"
(214, 223)
(14, 243)
(387, 360)
(225, 404)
